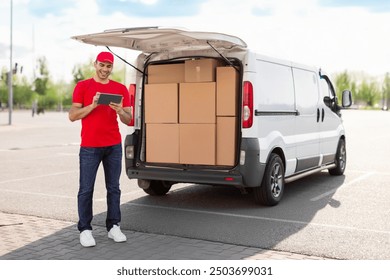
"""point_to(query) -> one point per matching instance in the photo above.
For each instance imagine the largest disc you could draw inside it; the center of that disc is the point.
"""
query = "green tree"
(3, 88)
(354, 90)
(83, 71)
(118, 74)
(22, 92)
(41, 82)
(369, 93)
(386, 92)
(344, 81)
(48, 101)
(21, 89)
(3, 97)
(63, 91)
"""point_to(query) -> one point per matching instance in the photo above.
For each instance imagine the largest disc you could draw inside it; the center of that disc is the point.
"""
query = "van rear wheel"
(272, 187)
(158, 188)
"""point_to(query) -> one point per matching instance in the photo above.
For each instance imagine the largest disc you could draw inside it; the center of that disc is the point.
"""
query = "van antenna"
(125, 61)
(224, 57)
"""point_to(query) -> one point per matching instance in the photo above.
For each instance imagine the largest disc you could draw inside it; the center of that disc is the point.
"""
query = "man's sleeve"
(78, 94)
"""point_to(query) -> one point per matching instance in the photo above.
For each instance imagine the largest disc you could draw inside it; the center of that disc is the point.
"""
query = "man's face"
(103, 69)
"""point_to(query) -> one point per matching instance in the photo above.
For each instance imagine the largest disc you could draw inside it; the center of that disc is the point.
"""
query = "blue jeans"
(90, 159)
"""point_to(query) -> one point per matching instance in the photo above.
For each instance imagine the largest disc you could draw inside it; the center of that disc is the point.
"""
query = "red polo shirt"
(100, 128)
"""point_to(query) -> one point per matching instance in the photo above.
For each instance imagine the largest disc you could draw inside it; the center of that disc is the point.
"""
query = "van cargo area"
(191, 116)
(190, 130)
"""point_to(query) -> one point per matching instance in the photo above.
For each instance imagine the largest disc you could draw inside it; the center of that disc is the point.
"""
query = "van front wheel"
(272, 187)
(341, 159)
(158, 188)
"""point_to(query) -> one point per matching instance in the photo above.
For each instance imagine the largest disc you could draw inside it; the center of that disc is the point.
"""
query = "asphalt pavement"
(26, 235)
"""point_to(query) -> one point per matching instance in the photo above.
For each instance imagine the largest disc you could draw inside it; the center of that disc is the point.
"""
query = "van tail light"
(132, 103)
(247, 105)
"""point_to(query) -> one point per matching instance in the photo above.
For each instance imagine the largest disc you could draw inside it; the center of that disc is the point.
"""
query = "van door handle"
(323, 115)
(318, 114)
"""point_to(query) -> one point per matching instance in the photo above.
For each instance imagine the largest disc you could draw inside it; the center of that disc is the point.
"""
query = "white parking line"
(37, 177)
(360, 178)
(260, 218)
(36, 193)
(103, 199)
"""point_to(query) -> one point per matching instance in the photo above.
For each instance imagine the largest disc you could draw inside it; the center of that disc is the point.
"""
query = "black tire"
(158, 188)
(272, 187)
(341, 159)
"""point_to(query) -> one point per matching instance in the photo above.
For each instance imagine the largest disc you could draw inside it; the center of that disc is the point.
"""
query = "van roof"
(158, 39)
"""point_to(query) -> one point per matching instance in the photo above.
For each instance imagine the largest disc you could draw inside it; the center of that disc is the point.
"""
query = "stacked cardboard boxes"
(197, 115)
(162, 112)
(200, 70)
(162, 103)
(166, 73)
(191, 114)
(227, 108)
(162, 142)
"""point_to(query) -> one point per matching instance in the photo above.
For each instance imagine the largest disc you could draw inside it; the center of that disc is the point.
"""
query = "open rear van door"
(157, 39)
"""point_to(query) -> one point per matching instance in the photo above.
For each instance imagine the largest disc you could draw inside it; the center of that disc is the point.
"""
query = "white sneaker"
(86, 238)
(116, 234)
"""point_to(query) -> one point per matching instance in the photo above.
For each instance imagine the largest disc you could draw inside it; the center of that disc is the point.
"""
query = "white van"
(207, 110)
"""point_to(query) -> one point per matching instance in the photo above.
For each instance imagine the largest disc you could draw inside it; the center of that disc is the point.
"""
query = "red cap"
(105, 57)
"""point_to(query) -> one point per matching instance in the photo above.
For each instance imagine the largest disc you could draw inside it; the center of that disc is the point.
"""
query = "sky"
(336, 35)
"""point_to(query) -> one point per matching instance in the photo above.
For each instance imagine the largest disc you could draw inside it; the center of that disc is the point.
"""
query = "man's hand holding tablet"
(107, 98)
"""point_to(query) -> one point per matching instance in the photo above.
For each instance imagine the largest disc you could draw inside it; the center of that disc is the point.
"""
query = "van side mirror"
(327, 101)
(346, 98)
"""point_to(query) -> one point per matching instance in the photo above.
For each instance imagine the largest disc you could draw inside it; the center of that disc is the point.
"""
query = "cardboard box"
(226, 140)
(197, 103)
(161, 103)
(197, 144)
(166, 73)
(200, 70)
(227, 91)
(162, 143)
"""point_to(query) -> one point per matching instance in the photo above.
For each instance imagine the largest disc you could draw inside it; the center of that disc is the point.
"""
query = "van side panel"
(276, 87)
(307, 129)
(275, 110)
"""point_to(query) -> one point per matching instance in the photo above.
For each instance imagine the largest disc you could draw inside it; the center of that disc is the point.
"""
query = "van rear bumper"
(185, 176)
(249, 174)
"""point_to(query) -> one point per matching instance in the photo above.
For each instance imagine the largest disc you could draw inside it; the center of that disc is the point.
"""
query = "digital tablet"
(106, 98)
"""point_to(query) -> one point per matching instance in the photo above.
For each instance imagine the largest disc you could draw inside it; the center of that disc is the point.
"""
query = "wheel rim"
(342, 157)
(276, 180)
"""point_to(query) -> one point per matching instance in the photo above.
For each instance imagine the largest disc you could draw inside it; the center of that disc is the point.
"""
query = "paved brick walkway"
(33, 238)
